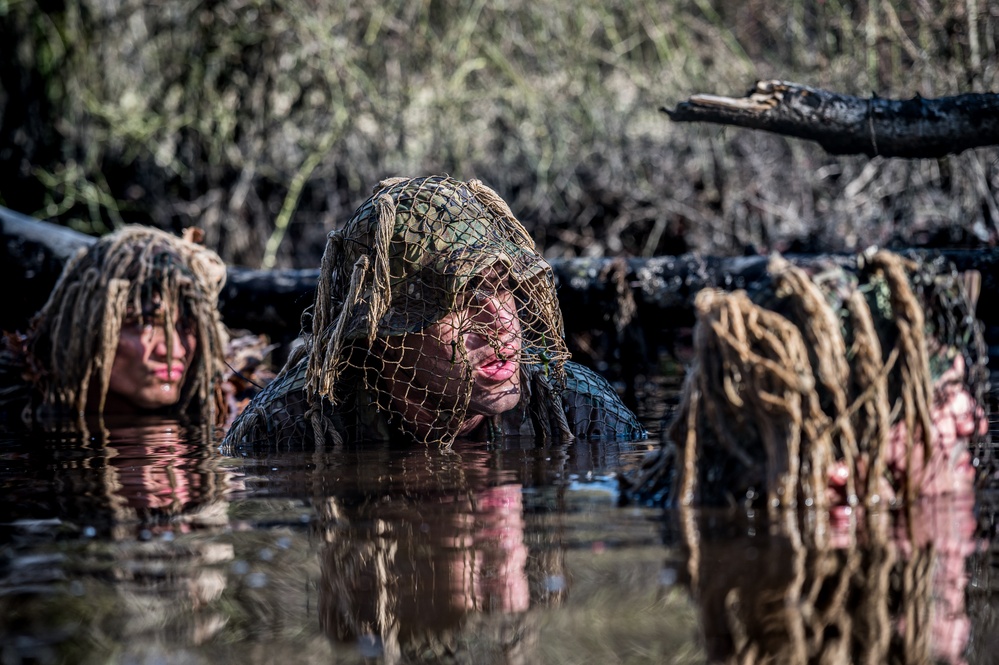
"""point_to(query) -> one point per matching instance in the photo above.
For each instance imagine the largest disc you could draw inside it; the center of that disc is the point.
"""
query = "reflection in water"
(154, 475)
(111, 512)
(141, 546)
(413, 573)
(889, 589)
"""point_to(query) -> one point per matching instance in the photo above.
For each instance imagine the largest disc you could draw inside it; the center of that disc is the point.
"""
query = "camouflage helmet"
(405, 259)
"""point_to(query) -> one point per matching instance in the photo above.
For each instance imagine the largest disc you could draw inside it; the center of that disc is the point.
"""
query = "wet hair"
(73, 339)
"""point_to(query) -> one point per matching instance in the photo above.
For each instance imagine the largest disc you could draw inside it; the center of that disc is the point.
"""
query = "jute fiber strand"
(812, 365)
(805, 599)
(422, 266)
(74, 338)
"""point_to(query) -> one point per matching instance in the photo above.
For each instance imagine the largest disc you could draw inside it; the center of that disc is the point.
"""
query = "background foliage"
(259, 118)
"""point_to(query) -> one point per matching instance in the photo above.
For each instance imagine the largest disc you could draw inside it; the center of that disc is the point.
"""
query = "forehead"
(495, 275)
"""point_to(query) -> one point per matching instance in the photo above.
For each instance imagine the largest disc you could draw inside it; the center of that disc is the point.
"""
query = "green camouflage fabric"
(443, 234)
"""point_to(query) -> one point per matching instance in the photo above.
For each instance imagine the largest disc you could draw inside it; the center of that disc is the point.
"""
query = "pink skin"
(142, 379)
(426, 372)
(941, 514)
(955, 417)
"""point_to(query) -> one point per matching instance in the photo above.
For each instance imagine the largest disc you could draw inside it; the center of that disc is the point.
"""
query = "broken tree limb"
(33, 254)
(844, 125)
(619, 303)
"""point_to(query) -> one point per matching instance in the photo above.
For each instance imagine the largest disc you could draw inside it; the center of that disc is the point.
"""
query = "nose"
(175, 344)
(499, 312)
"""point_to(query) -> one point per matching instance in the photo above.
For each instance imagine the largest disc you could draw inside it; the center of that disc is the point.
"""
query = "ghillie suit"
(779, 593)
(433, 259)
(64, 363)
(813, 365)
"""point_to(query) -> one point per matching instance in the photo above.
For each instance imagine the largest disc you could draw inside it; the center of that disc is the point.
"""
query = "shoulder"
(276, 413)
(594, 409)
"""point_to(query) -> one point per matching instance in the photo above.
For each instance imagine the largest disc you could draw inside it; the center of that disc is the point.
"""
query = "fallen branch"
(609, 298)
(843, 124)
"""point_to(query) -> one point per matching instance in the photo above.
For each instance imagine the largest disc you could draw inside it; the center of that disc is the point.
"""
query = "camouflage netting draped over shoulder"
(428, 277)
(820, 362)
(73, 339)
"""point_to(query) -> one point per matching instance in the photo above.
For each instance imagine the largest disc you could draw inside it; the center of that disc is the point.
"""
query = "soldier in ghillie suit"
(834, 384)
(131, 327)
(435, 318)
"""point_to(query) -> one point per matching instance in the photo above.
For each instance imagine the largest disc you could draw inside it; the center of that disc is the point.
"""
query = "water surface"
(144, 544)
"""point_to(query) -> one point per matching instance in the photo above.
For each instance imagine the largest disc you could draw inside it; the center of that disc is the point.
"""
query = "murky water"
(146, 545)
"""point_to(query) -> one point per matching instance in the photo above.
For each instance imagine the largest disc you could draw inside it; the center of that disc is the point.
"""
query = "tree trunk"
(620, 304)
(844, 125)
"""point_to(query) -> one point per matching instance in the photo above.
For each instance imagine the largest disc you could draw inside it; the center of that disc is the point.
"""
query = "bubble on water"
(256, 580)
(370, 646)
(667, 577)
(554, 583)
(89, 532)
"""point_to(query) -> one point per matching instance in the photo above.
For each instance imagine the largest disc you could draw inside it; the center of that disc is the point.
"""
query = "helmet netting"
(74, 338)
(426, 275)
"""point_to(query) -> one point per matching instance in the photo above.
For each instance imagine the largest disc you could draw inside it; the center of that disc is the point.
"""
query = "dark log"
(843, 124)
(34, 252)
(599, 297)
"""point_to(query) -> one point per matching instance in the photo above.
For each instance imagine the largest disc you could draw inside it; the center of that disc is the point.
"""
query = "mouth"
(172, 373)
(499, 369)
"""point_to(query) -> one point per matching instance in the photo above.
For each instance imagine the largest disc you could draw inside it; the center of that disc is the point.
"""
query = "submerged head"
(436, 295)
(132, 326)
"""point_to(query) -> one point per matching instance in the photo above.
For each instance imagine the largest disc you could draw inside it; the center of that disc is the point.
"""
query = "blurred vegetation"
(266, 122)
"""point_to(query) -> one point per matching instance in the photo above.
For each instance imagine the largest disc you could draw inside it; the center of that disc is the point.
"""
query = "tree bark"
(616, 302)
(843, 124)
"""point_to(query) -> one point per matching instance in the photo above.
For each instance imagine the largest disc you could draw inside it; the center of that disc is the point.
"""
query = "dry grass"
(266, 120)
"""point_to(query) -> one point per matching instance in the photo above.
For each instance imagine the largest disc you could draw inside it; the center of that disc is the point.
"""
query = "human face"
(150, 366)
(956, 417)
(471, 352)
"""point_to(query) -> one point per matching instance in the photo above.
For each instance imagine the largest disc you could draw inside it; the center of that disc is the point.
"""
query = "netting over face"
(429, 301)
(132, 280)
